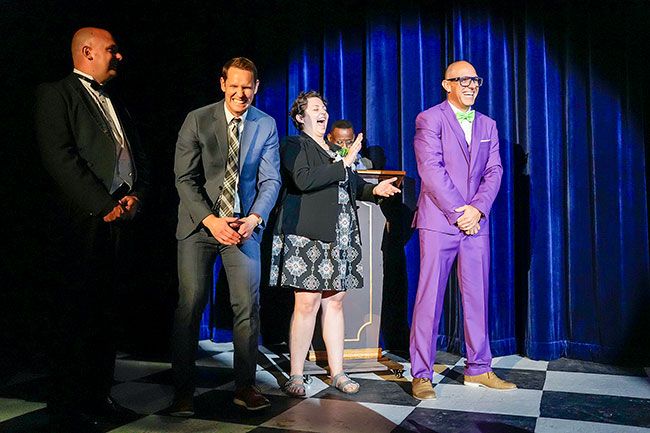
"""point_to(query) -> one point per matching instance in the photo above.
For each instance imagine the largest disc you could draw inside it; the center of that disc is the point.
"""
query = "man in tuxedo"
(457, 151)
(342, 134)
(97, 178)
(227, 176)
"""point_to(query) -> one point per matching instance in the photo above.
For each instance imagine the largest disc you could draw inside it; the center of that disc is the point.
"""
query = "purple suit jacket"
(452, 175)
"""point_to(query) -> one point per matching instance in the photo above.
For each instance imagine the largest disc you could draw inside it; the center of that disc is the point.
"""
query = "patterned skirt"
(301, 263)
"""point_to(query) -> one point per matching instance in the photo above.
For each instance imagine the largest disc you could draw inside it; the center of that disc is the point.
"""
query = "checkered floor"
(557, 396)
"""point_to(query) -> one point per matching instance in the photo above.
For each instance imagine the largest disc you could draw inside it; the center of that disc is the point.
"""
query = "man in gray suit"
(227, 175)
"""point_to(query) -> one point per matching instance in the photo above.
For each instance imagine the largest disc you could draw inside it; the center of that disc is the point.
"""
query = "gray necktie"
(231, 177)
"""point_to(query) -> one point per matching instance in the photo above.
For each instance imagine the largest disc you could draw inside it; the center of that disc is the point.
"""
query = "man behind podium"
(342, 134)
(457, 151)
(98, 177)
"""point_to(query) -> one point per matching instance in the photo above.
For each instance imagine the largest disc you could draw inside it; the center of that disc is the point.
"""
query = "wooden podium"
(362, 307)
(376, 176)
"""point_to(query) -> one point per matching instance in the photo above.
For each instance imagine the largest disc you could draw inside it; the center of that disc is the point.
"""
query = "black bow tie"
(93, 84)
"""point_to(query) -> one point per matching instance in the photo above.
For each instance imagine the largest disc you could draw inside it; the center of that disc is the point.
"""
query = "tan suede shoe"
(489, 380)
(422, 389)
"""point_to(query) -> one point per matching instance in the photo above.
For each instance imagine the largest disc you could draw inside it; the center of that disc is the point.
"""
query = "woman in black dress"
(316, 242)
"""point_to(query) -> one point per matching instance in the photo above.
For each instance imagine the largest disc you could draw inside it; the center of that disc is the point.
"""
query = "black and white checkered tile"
(553, 397)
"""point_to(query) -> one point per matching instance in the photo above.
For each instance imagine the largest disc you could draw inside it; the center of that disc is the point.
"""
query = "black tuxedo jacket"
(309, 205)
(77, 148)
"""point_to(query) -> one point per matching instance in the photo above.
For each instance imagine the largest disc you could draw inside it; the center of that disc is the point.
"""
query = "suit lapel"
(221, 130)
(455, 126)
(246, 139)
(91, 107)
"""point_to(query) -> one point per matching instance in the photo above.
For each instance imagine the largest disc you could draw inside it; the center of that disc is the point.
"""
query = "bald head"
(454, 69)
(94, 52)
(460, 96)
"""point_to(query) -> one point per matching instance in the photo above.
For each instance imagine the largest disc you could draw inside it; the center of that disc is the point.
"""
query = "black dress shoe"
(73, 423)
(110, 410)
(183, 406)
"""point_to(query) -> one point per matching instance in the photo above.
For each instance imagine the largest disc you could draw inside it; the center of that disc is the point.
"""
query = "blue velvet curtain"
(570, 261)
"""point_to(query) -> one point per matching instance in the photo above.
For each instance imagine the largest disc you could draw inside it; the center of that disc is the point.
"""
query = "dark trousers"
(196, 256)
(80, 276)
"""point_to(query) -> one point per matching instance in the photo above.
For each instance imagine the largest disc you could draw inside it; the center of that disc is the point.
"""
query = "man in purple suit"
(457, 151)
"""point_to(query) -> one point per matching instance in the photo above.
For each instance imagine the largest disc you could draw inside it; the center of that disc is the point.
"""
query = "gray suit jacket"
(200, 164)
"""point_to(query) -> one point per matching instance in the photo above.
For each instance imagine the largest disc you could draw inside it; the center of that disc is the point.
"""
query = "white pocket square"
(485, 141)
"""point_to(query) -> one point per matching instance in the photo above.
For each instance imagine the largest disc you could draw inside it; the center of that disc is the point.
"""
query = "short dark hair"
(300, 105)
(239, 63)
(342, 124)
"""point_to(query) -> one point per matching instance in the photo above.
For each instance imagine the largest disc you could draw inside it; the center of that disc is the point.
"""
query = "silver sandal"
(342, 380)
(295, 386)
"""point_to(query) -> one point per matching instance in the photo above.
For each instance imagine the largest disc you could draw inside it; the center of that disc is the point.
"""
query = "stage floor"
(555, 397)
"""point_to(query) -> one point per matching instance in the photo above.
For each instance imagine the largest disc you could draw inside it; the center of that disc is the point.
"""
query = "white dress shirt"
(466, 125)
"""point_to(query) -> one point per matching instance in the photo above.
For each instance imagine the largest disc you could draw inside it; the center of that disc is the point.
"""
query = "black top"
(309, 205)
(77, 148)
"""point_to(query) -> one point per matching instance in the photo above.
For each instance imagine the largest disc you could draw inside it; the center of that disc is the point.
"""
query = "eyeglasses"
(466, 81)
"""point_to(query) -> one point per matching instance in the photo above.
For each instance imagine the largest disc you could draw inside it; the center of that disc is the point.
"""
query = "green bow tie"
(465, 115)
